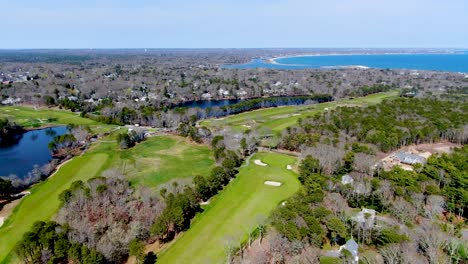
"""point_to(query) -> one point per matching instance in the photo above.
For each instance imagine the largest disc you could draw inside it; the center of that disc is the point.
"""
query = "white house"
(353, 248)
(346, 179)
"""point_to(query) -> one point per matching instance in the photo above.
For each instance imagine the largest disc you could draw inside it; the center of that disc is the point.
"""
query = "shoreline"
(272, 60)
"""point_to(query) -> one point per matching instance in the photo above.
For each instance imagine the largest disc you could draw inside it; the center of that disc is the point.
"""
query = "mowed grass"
(163, 158)
(43, 201)
(234, 212)
(278, 118)
(150, 163)
(29, 117)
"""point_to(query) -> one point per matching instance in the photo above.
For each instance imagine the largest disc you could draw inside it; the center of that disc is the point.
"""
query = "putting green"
(234, 212)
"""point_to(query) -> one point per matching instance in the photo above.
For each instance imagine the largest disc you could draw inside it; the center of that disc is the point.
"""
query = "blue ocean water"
(437, 62)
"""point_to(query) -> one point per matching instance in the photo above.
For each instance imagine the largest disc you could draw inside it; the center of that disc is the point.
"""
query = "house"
(346, 179)
(408, 158)
(353, 248)
(206, 96)
(223, 92)
(366, 217)
(241, 93)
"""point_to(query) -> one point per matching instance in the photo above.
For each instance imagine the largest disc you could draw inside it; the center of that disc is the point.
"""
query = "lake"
(437, 62)
(204, 104)
(30, 148)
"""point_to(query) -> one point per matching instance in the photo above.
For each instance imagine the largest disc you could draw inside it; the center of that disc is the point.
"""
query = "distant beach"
(442, 61)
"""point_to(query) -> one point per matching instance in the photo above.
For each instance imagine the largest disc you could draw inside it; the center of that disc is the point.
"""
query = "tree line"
(389, 125)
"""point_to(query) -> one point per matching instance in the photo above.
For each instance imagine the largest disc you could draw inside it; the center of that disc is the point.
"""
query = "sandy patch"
(289, 167)
(260, 163)
(273, 183)
(7, 210)
(205, 203)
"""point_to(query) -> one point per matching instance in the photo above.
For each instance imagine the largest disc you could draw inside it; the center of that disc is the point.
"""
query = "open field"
(152, 162)
(278, 118)
(234, 212)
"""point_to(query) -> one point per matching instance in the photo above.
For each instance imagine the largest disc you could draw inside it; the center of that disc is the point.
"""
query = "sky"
(71, 24)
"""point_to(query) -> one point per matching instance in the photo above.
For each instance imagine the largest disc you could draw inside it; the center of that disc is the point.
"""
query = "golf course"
(150, 163)
(235, 212)
(30, 117)
(227, 219)
(278, 118)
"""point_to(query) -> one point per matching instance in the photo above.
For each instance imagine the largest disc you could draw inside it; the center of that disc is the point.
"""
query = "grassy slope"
(163, 158)
(280, 118)
(234, 212)
(27, 116)
(150, 163)
(42, 203)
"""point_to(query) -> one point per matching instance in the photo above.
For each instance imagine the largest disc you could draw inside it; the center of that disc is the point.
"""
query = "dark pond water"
(209, 103)
(29, 149)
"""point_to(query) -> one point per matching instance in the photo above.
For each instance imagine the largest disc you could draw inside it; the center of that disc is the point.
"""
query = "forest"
(389, 125)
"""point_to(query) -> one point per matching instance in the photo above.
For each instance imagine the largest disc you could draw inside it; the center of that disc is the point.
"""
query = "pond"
(27, 150)
(204, 104)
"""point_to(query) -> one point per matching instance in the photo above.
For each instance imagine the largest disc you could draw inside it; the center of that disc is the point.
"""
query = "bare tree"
(364, 163)
(403, 210)
(391, 253)
(330, 157)
(431, 241)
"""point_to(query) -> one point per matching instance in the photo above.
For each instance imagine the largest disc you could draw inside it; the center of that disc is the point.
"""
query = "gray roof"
(409, 158)
(352, 246)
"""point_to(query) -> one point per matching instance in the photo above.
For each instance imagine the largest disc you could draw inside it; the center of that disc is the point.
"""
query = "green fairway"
(234, 212)
(163, 158)
(42, 203)
(30, 117)
(278, 118)
(152, 162)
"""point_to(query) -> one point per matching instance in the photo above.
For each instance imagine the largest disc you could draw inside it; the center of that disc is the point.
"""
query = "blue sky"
(233, 24)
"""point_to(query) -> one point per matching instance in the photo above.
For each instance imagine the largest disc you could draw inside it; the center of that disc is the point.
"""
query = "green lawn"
(163, 158)
(234, 212)
(42, 203)
(278, 118)
(152, 162)
(29, 117)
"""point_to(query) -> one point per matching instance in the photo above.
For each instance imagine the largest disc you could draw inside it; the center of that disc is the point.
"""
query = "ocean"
(436, 62)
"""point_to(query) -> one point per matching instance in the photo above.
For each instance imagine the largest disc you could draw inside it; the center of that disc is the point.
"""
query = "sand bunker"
(273, 183)
(289, 167)
(1, 220)
(260, 163)
(205, 203)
